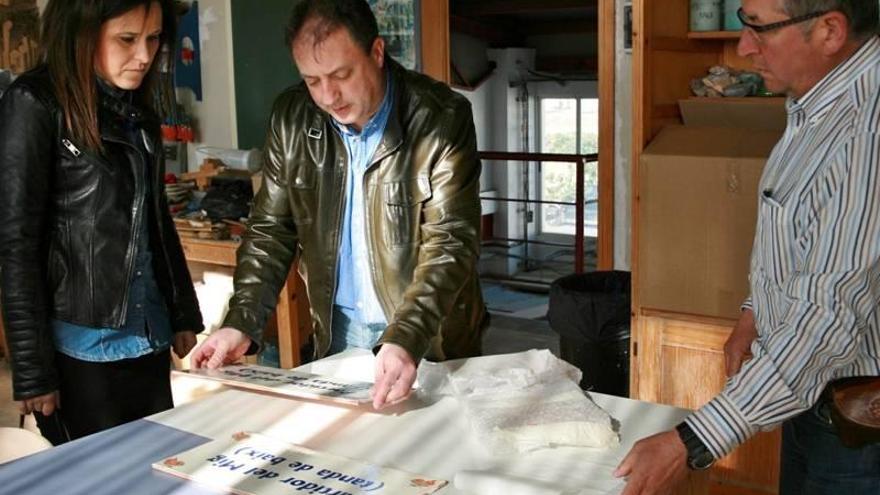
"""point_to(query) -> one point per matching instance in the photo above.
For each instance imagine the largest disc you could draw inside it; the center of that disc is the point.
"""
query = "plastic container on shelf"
(731, 20)
(706, 15)
(250, 160)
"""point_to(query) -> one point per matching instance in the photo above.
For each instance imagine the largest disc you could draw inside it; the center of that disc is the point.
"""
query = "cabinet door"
(681, 363)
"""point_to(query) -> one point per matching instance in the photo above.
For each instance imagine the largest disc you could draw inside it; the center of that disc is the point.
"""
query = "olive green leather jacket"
(422, 216)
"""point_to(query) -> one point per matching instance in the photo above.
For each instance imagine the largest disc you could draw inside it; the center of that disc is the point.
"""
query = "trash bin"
(591, 314)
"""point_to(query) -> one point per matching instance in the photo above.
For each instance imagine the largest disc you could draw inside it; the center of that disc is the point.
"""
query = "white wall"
(214, 116)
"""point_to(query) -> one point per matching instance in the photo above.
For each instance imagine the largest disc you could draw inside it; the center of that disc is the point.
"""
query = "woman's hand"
(44, 404)
(183, 343)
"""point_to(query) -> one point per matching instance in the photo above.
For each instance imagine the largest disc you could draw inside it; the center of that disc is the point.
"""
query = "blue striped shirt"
(815, 267)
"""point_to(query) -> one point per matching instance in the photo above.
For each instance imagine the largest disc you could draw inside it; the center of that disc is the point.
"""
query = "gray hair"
(863, 15)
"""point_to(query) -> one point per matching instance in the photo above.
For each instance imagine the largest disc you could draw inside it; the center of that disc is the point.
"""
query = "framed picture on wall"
(398, 25)
(627, 27)
(19, 35)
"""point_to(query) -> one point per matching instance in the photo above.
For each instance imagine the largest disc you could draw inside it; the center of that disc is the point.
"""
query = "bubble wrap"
(521, 402)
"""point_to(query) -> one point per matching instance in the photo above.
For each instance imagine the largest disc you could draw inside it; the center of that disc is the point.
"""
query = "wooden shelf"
(714, 35)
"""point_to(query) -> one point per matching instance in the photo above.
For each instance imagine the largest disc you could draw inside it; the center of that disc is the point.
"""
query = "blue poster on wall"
(188, 65)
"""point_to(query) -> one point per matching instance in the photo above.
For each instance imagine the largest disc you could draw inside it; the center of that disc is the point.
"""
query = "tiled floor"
(505, 334)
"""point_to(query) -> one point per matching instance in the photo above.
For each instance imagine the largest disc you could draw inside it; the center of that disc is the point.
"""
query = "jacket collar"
(119, 114)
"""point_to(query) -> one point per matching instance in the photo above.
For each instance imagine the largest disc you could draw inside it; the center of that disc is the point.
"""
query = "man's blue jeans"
(349, 333)
(815, 463)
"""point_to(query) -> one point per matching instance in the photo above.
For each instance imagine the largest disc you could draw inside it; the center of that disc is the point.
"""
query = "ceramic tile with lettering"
(288, 382)
(250, 464)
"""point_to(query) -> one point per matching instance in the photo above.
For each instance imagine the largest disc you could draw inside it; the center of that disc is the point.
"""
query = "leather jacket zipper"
(340, 212)
(157, 203)
(382, 152)
(368, 226)
(137, 214)
(71, 148)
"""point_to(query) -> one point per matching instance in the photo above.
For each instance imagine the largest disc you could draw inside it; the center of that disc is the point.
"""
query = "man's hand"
(395, 374)
(737, 349)
(225, 345)
(44, 404)
(183, 343)
(655, 465)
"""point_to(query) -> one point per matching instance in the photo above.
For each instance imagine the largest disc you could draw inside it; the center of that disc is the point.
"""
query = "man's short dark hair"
(863, 15)
(354, 15)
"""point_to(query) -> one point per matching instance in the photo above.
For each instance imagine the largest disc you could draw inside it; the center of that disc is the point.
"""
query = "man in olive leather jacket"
(419, 206)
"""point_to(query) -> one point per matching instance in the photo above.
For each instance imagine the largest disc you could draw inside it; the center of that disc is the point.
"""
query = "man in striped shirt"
(813, 313)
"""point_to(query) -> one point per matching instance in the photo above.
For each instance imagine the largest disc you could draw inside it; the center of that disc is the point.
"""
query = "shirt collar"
(838, 81)
(113, 91)
(378, 119)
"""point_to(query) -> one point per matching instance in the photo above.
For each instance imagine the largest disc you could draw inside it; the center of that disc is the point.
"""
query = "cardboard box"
(755, 113)
(697, 212)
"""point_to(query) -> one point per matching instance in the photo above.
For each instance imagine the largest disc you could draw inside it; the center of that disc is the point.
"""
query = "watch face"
(704, 460)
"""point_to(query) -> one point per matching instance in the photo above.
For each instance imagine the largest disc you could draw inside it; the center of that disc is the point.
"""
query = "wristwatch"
(698, 456)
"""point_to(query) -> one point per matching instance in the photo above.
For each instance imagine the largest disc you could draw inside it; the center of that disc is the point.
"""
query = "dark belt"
(854, 404)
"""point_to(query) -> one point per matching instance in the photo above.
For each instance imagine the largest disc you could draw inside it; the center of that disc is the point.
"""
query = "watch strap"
(698, 456)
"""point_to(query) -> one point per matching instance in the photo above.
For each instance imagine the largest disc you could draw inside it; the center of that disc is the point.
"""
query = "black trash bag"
(228, 199)
(591, 306)
(591, 314)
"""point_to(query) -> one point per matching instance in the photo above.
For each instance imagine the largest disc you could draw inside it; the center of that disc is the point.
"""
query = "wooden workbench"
(291, 314)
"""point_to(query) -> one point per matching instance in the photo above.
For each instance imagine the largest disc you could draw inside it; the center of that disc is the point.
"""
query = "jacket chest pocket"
(303, 196)
(403, 210)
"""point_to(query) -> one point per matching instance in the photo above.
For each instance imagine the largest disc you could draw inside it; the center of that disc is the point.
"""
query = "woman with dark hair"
(94, 285)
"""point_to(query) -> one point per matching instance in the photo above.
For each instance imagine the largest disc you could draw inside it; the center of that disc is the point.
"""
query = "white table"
(434, 440)
(429, 439)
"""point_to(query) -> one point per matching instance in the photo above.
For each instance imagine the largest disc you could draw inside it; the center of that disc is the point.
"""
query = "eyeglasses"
(763, 28)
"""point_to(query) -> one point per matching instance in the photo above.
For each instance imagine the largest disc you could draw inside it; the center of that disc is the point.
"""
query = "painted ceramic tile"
(251, 464)
(288, 382)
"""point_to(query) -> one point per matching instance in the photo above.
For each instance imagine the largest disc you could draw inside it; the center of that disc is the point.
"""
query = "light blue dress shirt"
(355, 294)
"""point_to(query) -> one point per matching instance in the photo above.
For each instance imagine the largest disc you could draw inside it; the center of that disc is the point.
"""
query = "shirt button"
(138, 305)
(139, 273)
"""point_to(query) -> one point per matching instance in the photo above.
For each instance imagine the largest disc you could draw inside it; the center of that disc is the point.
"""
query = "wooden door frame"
(607, 79)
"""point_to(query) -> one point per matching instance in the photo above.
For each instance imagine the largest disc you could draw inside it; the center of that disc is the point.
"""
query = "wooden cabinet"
(681, 362)
(678, 359)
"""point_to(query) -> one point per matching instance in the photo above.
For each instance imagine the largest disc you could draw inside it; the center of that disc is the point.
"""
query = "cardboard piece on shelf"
(755, 113)
(697, 213)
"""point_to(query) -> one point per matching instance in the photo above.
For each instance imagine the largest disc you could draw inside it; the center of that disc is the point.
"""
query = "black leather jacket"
(69, 226)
